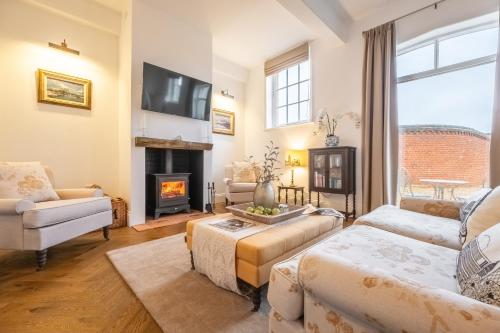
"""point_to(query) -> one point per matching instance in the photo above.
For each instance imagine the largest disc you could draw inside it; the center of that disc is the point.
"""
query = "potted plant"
(329, 124)
(264, 191)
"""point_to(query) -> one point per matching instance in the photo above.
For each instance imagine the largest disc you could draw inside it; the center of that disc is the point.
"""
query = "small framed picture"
(62, 89)
(222, 122)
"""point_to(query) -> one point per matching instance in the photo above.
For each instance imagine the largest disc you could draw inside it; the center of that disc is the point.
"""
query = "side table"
(295, 189)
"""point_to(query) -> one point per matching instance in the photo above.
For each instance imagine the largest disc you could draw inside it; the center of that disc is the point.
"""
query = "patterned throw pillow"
(25, 180)
(244, 172)
(478, 267)
(484, 215)
(469, 207)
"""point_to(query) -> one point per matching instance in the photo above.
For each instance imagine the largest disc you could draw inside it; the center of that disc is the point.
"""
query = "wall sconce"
(64, 47)
(225, 93)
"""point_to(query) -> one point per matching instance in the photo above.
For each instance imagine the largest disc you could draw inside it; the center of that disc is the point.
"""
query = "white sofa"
(364, 279)
(237, 192)
(25, 225)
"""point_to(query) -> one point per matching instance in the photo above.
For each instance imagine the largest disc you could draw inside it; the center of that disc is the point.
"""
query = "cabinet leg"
(318, 200)
(279, 195)
(354, 205)
(347, 206)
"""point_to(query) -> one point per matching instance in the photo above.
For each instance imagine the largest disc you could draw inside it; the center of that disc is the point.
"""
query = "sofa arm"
(228, 181)
(15, 206)
(442, 208)
(408, 306)
(77, 193)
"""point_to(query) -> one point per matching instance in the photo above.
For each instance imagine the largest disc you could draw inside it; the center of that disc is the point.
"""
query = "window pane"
(304, 111)
(282, 97)
(416, 61)
(281, 116)
(293, 113)
(293, 74)
(304, 71)
(293, 94)
(282, 79)
(304, 91)
(466, 47)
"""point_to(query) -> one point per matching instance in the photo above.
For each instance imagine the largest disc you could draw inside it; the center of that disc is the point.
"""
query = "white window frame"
(272, 106)
(437, 70)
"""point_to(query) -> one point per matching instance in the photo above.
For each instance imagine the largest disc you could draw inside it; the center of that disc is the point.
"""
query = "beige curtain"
(495, 132)
(380, 125)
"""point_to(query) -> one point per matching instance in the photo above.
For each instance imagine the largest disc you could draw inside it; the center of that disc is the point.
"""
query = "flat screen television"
(169, 92)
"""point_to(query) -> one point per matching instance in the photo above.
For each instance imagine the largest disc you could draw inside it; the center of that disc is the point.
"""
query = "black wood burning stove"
(167, 193)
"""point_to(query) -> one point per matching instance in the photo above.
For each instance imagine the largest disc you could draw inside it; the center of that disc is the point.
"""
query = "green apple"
(275, 211)
(250, 209)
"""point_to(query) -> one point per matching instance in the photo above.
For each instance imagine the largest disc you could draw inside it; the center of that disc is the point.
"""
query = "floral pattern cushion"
(478, 268)
(25, 180)
(285, 294)
(485, 215)
(368, 280)
(427, 228)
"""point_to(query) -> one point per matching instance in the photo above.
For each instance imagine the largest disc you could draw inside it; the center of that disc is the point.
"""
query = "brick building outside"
(442, 152)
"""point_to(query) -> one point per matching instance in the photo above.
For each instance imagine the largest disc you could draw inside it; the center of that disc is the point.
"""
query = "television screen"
(173, 93)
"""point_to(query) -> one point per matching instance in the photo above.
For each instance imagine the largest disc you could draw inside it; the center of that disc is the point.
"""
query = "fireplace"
(167, 193)
(174, 181)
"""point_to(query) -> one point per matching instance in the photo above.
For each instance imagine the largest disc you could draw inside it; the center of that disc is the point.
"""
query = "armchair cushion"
(76, 193)
(431, 229)
(25, 180)
(15, 206)
(244, 172)
(54, 212)
(441, 208)
(241, 187)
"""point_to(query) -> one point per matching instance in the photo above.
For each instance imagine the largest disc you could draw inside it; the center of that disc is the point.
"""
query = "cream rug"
(181, 300)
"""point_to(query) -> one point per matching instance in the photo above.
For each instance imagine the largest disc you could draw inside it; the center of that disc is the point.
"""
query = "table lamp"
(295, 158)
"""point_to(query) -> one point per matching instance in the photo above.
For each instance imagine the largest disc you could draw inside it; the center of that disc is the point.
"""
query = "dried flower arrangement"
(269, 167)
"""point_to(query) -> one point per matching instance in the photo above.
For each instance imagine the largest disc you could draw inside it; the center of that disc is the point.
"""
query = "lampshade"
(296, 158)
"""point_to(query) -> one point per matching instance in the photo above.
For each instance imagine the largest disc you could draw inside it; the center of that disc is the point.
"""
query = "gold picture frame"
(222, 122)
(62, 89)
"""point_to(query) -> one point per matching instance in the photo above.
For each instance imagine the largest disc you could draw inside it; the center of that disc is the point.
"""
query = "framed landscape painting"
(62, 89)
(222, 122)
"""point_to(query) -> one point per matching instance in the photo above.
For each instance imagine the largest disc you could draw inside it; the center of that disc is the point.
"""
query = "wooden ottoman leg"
(105, 232)
(255, 296)
(41, 259)
(192, 260)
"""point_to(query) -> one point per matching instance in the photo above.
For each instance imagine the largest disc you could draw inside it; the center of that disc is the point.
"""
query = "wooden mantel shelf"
(171, 144)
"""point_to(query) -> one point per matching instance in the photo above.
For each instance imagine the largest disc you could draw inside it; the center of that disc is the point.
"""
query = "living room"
(249, 166)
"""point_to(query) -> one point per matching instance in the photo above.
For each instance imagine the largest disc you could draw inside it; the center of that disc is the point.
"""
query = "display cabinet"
(333, 170)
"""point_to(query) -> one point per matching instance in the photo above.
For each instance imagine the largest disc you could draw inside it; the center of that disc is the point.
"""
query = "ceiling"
(248, 32)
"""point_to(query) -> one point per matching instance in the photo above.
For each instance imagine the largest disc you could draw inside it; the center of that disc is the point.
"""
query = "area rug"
(181, 300)
(169, 220)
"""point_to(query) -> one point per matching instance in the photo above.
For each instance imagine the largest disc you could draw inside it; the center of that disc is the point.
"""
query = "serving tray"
(240, 210)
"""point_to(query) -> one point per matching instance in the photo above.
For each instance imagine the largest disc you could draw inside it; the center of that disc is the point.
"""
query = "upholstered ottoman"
(256, 254)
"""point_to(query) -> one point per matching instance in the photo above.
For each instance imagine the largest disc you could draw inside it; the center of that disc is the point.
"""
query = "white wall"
(228, 148)
(168, 42)
(79, 145)
(336, 83)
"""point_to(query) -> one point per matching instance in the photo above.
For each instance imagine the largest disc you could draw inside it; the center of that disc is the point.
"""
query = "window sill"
(283, 127)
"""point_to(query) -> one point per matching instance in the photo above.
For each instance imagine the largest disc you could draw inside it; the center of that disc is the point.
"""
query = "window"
(445, 104)
(289, 95)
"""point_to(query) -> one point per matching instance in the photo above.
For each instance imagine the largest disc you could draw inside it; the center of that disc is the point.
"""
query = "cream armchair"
(26, 225)
(237, 192)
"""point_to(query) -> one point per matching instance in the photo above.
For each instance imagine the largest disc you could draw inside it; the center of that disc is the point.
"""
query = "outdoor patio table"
(441, 184)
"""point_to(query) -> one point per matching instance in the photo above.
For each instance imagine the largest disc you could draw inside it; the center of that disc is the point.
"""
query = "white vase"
(264, 195)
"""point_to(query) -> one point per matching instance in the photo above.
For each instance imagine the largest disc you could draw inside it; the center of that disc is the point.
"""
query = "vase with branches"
(327, 123)
(264, 191)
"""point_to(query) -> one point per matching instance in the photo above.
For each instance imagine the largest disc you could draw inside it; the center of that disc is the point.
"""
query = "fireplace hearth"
(169, 193)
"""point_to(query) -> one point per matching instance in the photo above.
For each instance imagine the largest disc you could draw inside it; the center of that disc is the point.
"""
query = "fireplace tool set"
(211, 198)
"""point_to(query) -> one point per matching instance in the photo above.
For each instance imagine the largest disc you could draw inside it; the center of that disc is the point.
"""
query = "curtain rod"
(435, 5)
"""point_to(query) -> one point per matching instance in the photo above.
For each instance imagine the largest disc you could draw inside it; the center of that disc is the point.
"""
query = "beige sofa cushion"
(431, 229)
(53, 212)
(25, 180)
(485, 215)
(244, 172)
(241, 187)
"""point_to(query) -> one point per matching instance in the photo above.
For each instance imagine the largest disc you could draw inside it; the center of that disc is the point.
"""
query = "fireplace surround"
(174, 181)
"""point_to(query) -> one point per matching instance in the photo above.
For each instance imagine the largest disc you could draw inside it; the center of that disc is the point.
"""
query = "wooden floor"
(78, 291)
